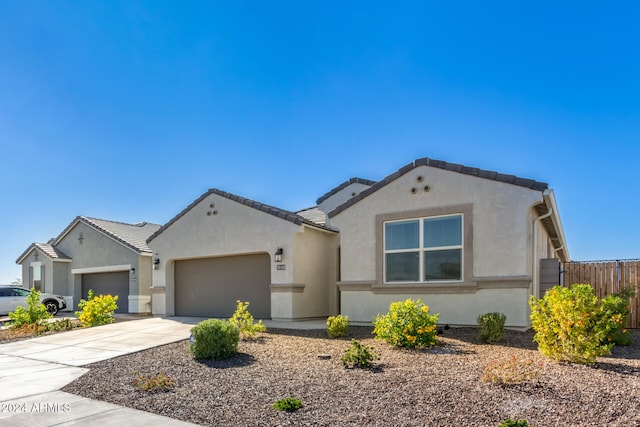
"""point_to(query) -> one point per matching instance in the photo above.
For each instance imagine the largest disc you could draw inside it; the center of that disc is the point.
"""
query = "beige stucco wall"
(341, 196)
(315, 266)
(99, 251)
(236, 229)
(502, 246)
(454, 309)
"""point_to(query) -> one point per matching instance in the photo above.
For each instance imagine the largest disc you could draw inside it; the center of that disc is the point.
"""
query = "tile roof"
(342, 186)
(271, 210)
(133, 236)
(440, 164)
(313, 214)
(48, 250)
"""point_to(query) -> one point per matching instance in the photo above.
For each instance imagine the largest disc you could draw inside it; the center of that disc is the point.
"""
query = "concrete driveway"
(32, 371)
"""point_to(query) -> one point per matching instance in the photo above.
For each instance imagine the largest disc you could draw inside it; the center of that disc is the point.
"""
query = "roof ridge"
(263, 207)
(441, 164)
(354, 180)
(137, 224)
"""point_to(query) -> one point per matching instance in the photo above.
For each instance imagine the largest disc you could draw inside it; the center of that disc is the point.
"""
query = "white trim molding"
(105, 269)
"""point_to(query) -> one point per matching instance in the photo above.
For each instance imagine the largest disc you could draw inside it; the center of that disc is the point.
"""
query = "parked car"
(11, 297)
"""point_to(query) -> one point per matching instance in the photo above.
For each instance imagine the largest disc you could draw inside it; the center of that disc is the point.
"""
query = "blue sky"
(130, 110)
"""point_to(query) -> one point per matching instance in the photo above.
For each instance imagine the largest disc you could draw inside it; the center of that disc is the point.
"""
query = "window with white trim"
(423, 249)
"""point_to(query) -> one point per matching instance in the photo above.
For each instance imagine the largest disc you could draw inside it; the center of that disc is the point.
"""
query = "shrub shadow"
(618, 368)
(240, 360)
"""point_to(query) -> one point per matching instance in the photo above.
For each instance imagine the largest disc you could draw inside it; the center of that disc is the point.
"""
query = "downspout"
(536, 284)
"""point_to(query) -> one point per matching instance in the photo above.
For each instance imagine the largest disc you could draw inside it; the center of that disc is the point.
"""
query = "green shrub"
(407, 324)
(511, 371)
(617, 307)
(34, 314)
(157, 382)
(64, 324)
(289, 404)
(491, 327)
(359, 355)
(514, 423)
(243, 320)
(97, 310)
(337, 326)
(214, 339)
(573, 324)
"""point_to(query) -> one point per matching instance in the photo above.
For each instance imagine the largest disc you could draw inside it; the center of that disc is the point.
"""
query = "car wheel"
(52, 307)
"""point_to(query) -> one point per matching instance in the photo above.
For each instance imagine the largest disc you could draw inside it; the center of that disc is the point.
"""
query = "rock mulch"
(442, 386)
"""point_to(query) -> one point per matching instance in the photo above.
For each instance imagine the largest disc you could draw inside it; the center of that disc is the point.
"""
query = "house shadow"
(240, 360)
(513, 339)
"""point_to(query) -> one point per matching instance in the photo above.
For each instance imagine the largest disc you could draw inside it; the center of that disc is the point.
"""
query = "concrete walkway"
(33, 370)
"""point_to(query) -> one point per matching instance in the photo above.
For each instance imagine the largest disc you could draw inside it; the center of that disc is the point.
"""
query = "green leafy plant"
(514, 423)
(407, 324)
(156, 382)
(573, 324)
(214, 339)
(97, 310)
(34, 314)
(617, 308)
(511, 371)
(64, 324)
(491, 327)
(289, 404)
(359, 355)
(243, 320)
(337, 326)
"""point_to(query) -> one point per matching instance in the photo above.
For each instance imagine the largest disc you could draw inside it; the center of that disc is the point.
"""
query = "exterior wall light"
(133, 270)
(156, 263)
(277, 256)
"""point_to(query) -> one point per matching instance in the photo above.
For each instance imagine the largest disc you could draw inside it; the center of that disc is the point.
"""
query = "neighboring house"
(464, 240)
(106, 256)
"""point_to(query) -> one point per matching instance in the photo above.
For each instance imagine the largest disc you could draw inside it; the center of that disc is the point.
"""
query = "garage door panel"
(210, 287)
(112, 283)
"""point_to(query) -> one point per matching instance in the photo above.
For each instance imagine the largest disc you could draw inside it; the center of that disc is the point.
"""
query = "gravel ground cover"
(442, 386)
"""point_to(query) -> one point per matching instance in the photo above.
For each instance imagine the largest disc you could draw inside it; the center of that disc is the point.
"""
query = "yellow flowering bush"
(97, 310)
(408, 324)
(337, 326)
(573, 324)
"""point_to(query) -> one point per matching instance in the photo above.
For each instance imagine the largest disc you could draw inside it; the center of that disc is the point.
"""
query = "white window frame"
(422, 250)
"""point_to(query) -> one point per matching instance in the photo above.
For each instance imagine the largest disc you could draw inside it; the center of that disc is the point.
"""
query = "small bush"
(157, 382)
(491, 327)
(97, 310)
(511, 371)
(573, 324)
(407, 324)
(34, 314)
(359, 355)
(514, 423)
(60, 325)
(289, 404)
(243, 320)
(617, 308)
(337, 326)
(214, 339)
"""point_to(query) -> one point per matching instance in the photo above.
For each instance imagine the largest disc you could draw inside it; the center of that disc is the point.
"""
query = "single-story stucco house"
(108, 257)
(464, 240)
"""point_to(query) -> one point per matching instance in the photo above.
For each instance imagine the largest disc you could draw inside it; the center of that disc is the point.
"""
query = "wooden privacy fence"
(606, 278)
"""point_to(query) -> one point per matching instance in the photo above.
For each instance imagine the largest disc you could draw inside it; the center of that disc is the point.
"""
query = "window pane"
(403, 267)
(443, 231)
(443, 265)
(401, 235)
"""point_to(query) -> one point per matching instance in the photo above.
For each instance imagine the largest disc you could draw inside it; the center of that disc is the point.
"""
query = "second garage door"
(209, 287)
(112, 283)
